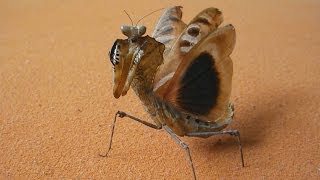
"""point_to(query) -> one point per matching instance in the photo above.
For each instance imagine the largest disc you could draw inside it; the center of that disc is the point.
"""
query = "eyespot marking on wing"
(203, 20)
(206, 21)
(199, 86)
(194, 31)
(187, 42)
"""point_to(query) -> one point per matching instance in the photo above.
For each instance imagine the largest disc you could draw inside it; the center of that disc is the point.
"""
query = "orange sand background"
(56, 102)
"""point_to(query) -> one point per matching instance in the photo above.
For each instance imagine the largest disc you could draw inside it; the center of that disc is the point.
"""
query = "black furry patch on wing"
(199, 88)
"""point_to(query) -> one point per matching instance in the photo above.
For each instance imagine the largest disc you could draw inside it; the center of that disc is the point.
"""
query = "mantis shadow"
(255, 119)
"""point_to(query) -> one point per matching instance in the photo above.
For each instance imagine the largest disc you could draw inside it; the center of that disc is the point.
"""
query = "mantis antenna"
(149, 14)
(129, 17)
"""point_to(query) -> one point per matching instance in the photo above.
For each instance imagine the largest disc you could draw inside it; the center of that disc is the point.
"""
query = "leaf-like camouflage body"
(183, 75)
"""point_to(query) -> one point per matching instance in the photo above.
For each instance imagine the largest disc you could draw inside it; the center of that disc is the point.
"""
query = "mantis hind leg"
(230, 132)
(184, 146)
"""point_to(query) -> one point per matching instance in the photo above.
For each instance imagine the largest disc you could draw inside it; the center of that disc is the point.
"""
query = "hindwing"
(199, 27)
(169, 27)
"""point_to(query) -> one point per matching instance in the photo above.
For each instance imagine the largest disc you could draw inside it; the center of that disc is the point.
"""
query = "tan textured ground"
(56, 102)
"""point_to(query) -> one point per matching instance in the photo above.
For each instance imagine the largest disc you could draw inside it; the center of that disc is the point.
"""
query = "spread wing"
(201, 84)
(182, 41)
(169, 27)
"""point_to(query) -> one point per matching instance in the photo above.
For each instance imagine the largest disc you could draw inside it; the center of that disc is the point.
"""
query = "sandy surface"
(56, 102)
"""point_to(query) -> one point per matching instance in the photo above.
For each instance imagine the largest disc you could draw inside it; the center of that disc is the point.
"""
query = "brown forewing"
(202, 83)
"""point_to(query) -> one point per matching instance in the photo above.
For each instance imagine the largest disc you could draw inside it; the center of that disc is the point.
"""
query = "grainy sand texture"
(56, 102)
